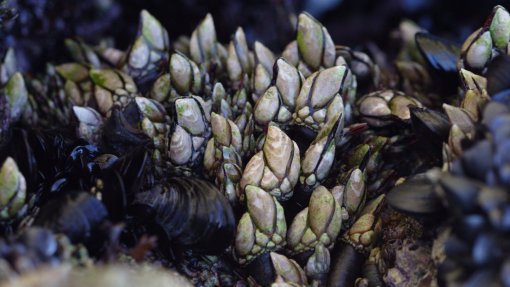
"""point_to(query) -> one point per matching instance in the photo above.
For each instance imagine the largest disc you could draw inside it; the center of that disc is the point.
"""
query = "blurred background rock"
(40, 27)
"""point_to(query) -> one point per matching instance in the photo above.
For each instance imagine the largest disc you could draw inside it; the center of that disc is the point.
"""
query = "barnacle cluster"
(234, 164)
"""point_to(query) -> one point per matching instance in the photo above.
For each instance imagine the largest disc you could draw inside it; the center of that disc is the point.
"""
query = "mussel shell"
(439, 53)
(120, 136)
(193, 213)
(346, 265)
(122, 179)
(371, 273)
(487, 250)
(477, 161)
(462, 193)
(471, 226)
(76, 214)
(132, 114)
(483, 277)
(262, 270)
(431, 129)
(498, 75)
(441, 57)
(39, 240)
(502, 97)
(417, 197)
(456, 248)
(430, 123)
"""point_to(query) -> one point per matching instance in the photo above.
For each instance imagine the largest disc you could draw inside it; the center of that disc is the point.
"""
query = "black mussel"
(79, 167)
(483, 277)
(486, 249)
(346, 264)
(373, 276)
(441, 57)
(77, 214)
(270, 268)
(192, 212)
(440, 54)
(262, 270)
(416, 196)
(121, 180)
(455, 247)
(120, 136)
(462, 193)
(430, 123)
(502, 97)
(39, 240)
(498, 75)
(471, 226)
(431, 128)
(30, 249)
(476, 162)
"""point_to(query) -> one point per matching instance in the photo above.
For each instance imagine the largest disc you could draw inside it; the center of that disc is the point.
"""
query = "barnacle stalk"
(278, 102)
(382, 108)
(320, 98)
(12, 189)
(318, 224)
(89, 124)
(221, 101)
(222, 159)
(189, 132)
(240, 59)
(314, 44)
(317, 266)
(319, 157)
(17, 96)
(8, 66)
(185, 76)
(274, 169)
(262, 228)
(203, 46)
(154, 123)
(112, 88)
(78, 85)
(287, 270)
(83, 53)
(149, 51)
(263, 70)
(489, 40)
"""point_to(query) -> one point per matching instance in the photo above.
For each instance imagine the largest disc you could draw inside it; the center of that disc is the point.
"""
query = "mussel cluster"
(322, 165)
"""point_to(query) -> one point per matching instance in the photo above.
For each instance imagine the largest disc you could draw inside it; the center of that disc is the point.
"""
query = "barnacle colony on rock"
(234, 164)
